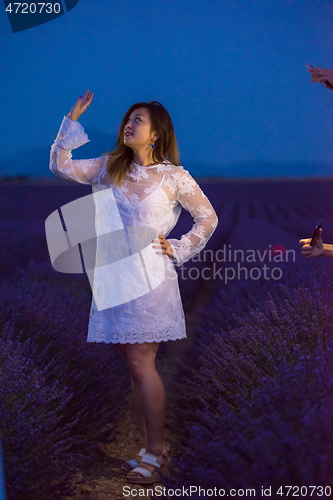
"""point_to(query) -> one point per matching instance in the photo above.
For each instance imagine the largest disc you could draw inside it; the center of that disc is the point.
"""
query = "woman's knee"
(141, 359)
(139, 367)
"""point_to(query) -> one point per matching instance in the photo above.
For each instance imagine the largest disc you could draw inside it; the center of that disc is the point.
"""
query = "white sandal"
(131, 464)
(147, 476)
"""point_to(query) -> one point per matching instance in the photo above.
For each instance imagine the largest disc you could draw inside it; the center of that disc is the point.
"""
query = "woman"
(150, 189)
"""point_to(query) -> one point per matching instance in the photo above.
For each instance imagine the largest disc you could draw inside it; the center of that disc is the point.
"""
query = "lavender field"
(251, 387)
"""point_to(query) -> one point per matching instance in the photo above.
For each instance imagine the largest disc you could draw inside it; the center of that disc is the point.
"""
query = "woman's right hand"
(321, 74)
(316, 250)
(81, 105)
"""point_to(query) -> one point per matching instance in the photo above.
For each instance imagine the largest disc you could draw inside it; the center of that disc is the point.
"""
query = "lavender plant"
(281, 435)
(37, 444)
(47, 316)
(270, 327)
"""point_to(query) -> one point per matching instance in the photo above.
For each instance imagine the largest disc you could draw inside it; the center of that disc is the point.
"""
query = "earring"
(153, 145)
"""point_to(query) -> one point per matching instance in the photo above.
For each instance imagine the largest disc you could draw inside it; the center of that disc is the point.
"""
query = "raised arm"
(192, 198)
(71, 135)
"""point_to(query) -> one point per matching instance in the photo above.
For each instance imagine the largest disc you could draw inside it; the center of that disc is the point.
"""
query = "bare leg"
(139, 412)
(148, 387)
(137, 401)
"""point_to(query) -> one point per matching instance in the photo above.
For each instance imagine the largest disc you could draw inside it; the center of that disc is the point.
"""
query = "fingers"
(307, 253)
(316, 79)
(88, 97)
(79, 101)
(84, 101)
(311, 70)
(306, 248)
(164, 244)
(161, 242)
(320, 74)
(315, 72)
(304, 241)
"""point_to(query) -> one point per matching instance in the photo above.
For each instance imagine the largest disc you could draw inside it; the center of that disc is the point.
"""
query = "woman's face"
(137, 130)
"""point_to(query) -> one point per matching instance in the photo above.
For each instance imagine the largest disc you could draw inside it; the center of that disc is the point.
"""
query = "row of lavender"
(59, 396)
(254, 390)
(55, 406)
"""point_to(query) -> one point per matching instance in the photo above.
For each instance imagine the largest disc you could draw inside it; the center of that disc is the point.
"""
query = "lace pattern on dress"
(129, 331)
(71, 134)
(192, 198)
(152, 196)
(138, 173)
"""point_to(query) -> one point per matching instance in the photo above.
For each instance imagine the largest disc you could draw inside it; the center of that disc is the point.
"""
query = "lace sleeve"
(71, 135)
(192, 198)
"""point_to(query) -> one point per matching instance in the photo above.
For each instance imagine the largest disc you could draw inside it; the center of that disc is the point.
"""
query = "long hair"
(166, 148)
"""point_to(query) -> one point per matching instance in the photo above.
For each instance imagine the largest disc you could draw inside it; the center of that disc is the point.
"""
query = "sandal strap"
(154, 460)
(142, 471)
(133, 463)
(150, 459)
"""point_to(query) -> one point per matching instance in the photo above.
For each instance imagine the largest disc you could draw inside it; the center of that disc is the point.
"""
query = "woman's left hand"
(165, 245)
(316, 250)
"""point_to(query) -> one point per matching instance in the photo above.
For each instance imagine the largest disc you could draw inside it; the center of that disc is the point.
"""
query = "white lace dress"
(150, 196)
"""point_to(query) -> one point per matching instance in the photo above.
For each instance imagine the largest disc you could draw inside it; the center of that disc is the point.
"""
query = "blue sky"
(230, 72)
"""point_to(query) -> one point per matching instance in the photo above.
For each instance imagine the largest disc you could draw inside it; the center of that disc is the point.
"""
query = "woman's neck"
(143, 159)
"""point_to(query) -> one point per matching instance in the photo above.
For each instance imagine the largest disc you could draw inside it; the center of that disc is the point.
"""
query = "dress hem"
(143, 342)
